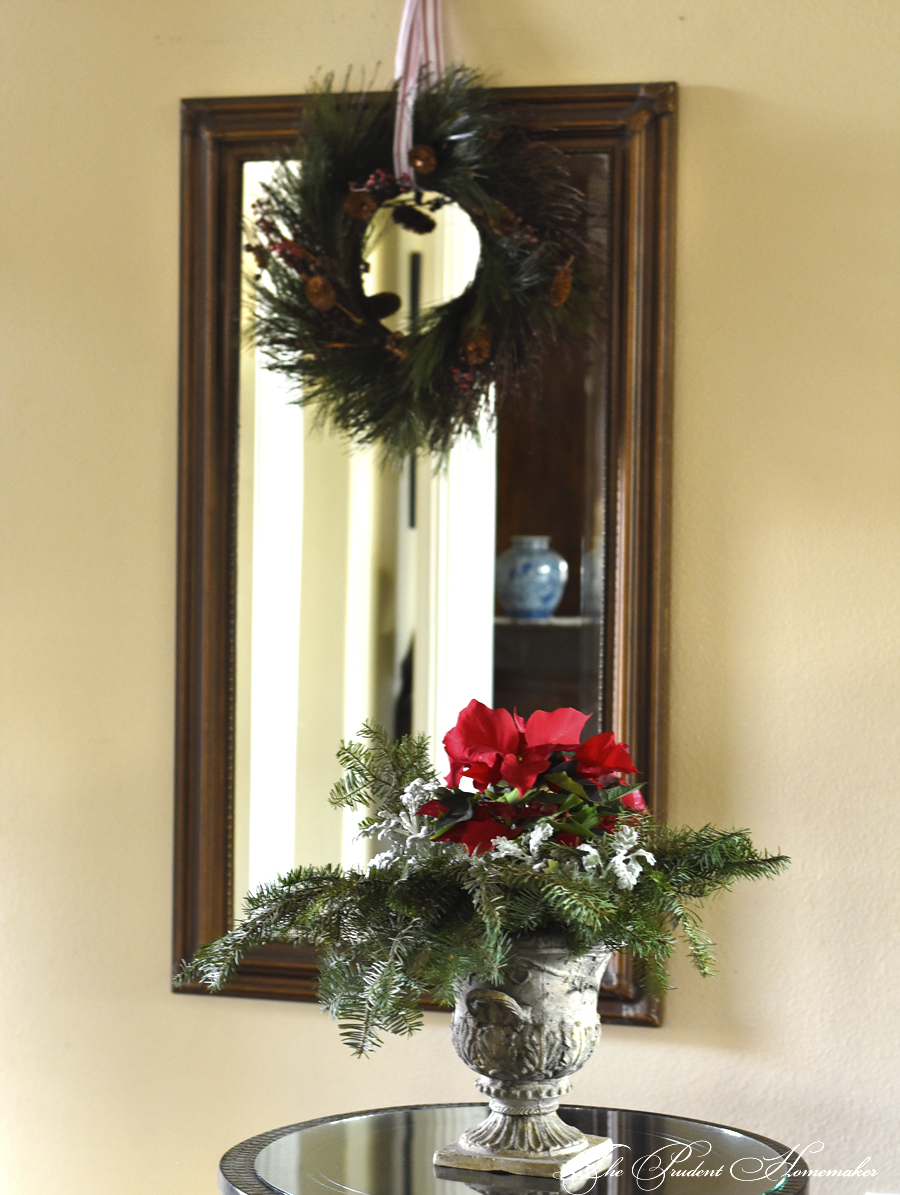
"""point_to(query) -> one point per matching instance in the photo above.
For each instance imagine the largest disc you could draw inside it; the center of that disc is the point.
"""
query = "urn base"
(592, 1153)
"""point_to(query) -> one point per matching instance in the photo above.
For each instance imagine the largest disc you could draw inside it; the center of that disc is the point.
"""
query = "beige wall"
(785, 622)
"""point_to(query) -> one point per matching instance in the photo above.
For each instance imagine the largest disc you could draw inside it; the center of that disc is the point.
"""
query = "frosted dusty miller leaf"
(417, 793)
(625, 839)
(541, 832)
(405, 835)
(513, 850)
(592, 857)
(626, 870)
(624, 863)
(507, 848)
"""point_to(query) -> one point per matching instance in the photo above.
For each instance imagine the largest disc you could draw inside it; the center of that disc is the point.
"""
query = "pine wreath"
(422, 387)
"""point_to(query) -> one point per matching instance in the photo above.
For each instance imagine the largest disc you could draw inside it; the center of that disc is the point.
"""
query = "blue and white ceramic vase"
(531, 577)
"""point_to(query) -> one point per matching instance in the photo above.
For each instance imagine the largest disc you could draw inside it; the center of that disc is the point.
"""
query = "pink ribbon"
(420, 57)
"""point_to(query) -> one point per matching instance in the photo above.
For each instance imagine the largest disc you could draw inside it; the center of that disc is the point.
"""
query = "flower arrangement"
(554, 837)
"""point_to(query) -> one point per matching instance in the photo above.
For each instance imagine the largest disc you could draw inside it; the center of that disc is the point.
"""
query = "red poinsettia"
(601, 756)
(491, 745)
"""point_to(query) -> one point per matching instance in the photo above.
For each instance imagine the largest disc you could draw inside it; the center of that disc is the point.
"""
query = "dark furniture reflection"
(553, 479)
(547, 664)
(389, 1152)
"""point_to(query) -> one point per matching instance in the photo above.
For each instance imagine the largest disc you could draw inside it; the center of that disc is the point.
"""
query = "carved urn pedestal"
(525, 1037)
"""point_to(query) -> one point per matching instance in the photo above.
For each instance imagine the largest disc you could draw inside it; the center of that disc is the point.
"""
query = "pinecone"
(478, 346)
(360, 205)
(320, 293)
(561, 284)
(423, 159)
(413, 218)
(382, 305)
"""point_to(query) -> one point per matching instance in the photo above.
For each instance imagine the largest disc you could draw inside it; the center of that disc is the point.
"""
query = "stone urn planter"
(524, 1038)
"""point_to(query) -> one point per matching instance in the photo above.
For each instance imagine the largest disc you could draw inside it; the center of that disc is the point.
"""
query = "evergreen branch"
(379, 769)
(374, 991)
(696, 862)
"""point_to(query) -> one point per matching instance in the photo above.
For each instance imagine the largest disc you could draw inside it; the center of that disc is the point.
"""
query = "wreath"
(421, 387)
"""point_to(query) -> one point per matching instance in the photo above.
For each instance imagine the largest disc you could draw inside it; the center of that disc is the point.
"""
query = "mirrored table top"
(389, 1151)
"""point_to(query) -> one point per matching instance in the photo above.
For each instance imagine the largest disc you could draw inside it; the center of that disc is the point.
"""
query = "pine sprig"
(696, 862)
(378, 769)
(373, 990)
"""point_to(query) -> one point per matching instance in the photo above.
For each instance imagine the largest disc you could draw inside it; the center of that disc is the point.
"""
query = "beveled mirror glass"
(586, 462)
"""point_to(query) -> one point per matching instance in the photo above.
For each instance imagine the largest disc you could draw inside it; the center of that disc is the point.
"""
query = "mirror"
(338, 562)
(586, 463)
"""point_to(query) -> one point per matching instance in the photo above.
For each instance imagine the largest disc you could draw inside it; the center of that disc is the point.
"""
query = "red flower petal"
(452, 778)
(477, 835)
(568, 839)
(483, 774)
(480, 730)
(485, 811)
(461, 752)
(476, 743)
(635, 802)
(601, 754)
(523, 769)
(433, 809)
(558, 730)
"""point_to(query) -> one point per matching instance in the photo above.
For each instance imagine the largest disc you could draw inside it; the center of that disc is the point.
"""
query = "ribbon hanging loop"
(420, 59)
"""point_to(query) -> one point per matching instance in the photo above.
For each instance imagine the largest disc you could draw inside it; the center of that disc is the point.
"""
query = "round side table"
(389, 1151)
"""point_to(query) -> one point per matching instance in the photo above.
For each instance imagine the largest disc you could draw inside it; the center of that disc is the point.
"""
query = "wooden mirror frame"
(635, 125)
